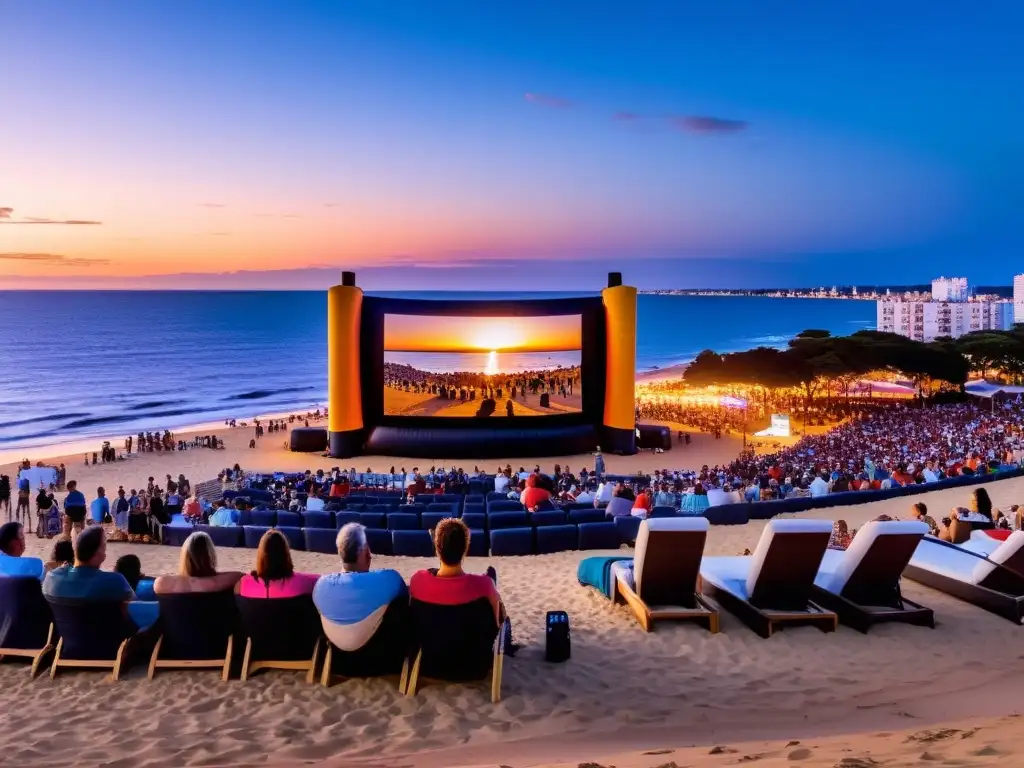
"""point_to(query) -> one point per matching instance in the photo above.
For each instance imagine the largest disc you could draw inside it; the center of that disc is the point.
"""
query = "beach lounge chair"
(773, 586)
(456, 643)
(384, 653)
(982, 571)
(862, 584)
(93, 635)
(660, 582)
(197, 630)
(26, 623)
(281, 633)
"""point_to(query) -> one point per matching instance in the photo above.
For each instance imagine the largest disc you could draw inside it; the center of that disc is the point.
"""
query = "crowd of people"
(471, 385)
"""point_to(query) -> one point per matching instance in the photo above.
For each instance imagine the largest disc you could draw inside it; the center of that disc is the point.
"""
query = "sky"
(468, 145)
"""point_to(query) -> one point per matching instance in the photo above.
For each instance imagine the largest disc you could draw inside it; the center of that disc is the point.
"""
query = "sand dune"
(624, 693)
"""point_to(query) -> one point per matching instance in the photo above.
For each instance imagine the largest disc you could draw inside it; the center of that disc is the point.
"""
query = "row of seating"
(506, 534)
(743, 512)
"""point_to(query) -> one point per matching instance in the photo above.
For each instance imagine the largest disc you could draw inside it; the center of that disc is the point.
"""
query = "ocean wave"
(37, 419)
(155, 404)
(120, 419)
(261, 394)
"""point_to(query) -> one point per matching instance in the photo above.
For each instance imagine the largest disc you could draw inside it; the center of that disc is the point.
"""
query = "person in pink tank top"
(275, 575)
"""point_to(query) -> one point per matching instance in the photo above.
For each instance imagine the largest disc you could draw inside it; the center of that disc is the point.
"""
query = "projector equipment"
(557, 648)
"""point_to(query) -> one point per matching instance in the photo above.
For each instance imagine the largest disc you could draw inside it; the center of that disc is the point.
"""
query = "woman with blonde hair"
(197, 569)
(275, 575)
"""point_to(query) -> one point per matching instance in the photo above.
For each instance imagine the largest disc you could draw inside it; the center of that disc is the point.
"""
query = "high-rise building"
(1018, 298)
(950, 289)
(929, 320)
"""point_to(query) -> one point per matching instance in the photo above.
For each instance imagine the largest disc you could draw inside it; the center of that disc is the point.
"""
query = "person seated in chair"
(84, 580)
(12, 549)
(63, 553)
(450, 584)
(534, 494)
(275, 575)
(362, 609)
(621, 504)
(197, 569)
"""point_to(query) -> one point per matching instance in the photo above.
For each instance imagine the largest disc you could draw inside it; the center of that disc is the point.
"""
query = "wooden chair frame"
(309, 667)
(704, 613)
(36, 654)
(225, 663)
(114, 666)
(410, 679)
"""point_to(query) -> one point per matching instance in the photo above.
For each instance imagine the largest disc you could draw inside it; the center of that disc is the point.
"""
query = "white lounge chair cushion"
(953, 563)
(1002, 553)
(623, 571)
(728, 573)
(837, 566)
(777, 528)
(628, 570)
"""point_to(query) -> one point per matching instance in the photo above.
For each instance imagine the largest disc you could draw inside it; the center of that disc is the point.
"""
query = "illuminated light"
(492, 363)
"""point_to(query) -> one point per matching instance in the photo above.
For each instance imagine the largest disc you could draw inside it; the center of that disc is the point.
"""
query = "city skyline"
(739, 145)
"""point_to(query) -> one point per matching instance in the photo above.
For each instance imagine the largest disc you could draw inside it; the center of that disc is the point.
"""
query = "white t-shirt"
(500, 484)
(604, 493)
(819, 487)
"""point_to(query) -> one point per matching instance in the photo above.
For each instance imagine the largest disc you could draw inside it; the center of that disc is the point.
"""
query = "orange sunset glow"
(415, 333)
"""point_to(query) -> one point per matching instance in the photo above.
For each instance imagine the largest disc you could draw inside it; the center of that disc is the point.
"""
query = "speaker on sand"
(557, 646)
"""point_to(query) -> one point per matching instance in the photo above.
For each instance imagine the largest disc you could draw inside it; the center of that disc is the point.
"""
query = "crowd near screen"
(480, 367)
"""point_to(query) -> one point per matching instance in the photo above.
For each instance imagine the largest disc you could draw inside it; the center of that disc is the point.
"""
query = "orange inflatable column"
(344, 387)
(620, 367)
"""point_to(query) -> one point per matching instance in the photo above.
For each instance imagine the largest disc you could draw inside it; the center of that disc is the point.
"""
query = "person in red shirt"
(533, 494)
(449, 584)
(643, 502)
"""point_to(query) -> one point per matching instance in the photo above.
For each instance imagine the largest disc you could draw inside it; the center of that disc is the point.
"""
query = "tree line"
(817, 361)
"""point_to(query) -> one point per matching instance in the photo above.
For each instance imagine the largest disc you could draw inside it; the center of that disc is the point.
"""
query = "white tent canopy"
(981, 388)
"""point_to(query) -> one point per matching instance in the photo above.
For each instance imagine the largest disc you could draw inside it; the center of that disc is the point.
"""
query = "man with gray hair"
(364, 613)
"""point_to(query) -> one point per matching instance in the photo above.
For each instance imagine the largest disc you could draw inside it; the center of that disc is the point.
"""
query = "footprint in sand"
(988, 751)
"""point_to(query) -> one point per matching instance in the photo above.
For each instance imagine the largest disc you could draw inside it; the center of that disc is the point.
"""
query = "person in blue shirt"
(364, 612)
(84, 580)
(12, 547)
(74, 509)
(99, 510)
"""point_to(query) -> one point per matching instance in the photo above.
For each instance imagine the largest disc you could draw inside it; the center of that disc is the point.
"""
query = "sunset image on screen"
(482, 366)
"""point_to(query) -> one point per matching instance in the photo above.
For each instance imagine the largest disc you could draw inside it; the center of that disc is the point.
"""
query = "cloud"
(290, 216)
(627, 117)
(708, 125)
(5, 213)
(212, 205)
(332, 205)
(37, 220)
(53, 258)
(547, 100)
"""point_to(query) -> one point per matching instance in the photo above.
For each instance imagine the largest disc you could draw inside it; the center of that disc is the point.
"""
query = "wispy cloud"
(53, 258)
(290, 216)
(332, 205)
(708, 125)
(5, 213)
(625, 116)
(212, 205)
(36, 220)
(547, 100)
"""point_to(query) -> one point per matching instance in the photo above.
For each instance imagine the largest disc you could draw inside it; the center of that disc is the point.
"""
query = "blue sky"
(469, 145)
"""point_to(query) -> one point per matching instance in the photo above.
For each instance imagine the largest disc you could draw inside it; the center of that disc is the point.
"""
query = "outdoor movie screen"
(439, 365)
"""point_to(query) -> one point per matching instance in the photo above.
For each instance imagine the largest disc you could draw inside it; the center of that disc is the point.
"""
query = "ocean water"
(76, 365)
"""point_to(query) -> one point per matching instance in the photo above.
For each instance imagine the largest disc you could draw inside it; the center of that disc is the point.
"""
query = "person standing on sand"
(599, 464)
(5, 494)
(74, 509)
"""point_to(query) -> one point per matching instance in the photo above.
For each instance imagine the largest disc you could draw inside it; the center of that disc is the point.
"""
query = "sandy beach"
(623, 699)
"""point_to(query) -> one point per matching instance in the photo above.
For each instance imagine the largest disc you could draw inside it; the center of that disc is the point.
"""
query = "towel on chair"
(597, 572)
